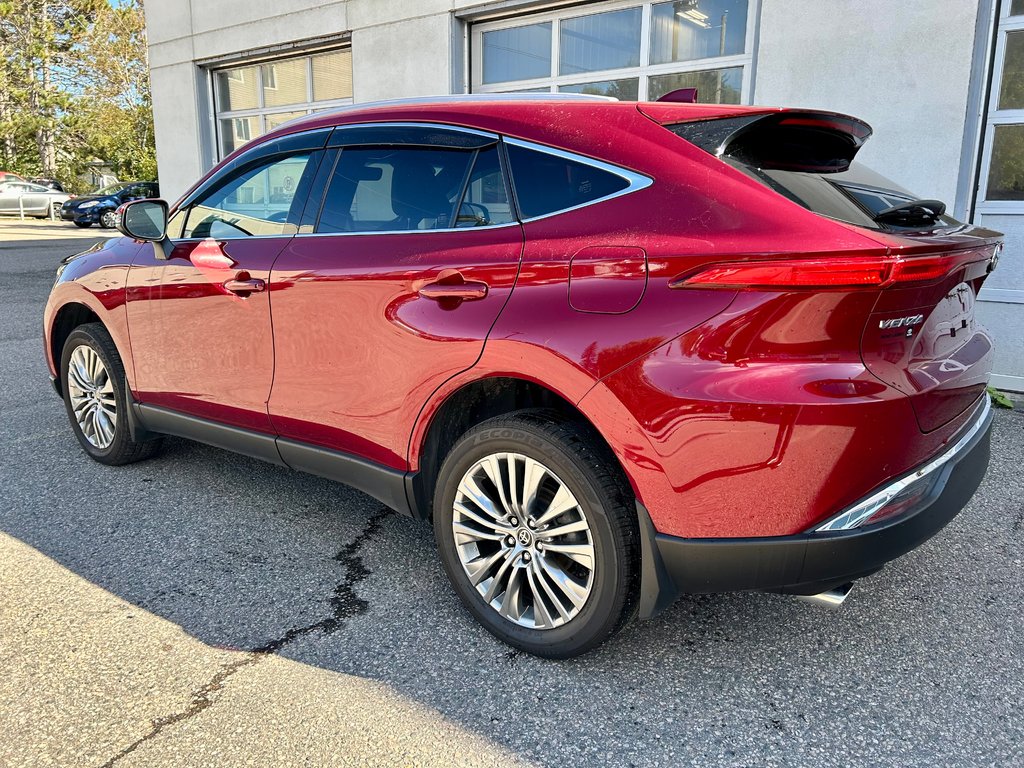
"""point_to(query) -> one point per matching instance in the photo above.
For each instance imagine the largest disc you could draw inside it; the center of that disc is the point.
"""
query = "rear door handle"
(469, 291)
(245, 287)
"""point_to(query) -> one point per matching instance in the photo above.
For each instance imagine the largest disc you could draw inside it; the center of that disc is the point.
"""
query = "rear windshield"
(855, 194)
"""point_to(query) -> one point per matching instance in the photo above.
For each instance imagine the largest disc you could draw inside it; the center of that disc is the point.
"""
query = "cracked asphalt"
(206, 609)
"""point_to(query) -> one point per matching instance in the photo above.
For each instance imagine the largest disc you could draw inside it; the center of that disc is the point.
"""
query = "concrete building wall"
(904, 67)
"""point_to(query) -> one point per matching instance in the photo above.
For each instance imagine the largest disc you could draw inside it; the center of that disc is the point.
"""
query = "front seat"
(419, 198)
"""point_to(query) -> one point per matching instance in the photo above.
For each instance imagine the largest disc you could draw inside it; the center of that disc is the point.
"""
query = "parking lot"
(203, 608)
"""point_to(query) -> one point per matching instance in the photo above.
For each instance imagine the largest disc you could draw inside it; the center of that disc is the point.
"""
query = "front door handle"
(440, 291)
(243, 287)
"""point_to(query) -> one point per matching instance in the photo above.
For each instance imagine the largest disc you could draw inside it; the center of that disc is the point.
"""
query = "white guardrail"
(21, 209)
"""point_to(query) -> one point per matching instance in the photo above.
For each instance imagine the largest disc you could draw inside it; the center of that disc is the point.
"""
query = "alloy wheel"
(109, 220)
(91, 392)
(523, 540)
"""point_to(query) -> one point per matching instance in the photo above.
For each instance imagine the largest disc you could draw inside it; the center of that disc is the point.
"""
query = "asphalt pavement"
(203, 608)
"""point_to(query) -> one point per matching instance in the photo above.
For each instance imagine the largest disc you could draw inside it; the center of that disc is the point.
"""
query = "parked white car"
(35, 200)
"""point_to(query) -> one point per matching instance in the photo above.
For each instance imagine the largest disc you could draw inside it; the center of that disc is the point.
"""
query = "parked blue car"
(99, 208)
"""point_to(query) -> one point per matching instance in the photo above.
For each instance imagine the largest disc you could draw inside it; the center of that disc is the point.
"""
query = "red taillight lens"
(827, 273)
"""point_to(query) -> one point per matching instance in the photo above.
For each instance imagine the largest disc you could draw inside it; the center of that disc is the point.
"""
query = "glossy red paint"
(200, 348)
(733, 412)
(361, 345)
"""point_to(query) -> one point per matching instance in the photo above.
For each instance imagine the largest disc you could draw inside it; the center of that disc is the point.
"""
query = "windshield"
(113, 189)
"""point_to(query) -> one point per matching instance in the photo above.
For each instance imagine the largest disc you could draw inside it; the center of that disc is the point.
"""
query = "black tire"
(108, 219)
(584, 464)
(83, 224)
(122, 448)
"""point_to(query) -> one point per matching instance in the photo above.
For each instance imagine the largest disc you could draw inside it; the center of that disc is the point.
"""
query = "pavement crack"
(345, 604)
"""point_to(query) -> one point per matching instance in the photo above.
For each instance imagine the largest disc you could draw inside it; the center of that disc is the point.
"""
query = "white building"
(941, 81)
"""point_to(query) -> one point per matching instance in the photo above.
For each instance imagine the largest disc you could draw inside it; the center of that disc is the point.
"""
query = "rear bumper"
(814, 561)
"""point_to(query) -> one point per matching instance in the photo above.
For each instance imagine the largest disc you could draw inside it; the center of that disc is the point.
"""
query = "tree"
(74, 85)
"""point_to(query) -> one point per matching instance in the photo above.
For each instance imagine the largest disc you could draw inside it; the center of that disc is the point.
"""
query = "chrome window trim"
(853, 517)
(373, 233)
(636, 181)
(420, 124)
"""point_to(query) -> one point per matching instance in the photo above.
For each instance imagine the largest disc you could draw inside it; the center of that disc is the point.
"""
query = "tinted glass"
(1011, 91)
(714, 86)
(545, 183)
(236, 131)
(519, 53)
(599, 41)
(623, 90)
(486, 199)
(1017, 7)
(697, 29)
(257, 201)
(854, 196)
(1006, 169)
(284, 82)
(236, 89)
(332, 76)
(394, 189)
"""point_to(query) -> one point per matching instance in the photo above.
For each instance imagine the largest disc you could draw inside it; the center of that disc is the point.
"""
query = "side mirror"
(146, 220)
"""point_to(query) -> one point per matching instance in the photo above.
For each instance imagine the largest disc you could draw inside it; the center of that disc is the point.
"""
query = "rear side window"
(547, 183)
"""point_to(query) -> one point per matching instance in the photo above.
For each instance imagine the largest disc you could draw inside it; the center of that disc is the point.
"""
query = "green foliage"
(1000, 399)
(74, 87)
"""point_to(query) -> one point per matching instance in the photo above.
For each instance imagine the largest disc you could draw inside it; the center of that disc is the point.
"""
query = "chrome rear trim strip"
(856, 515)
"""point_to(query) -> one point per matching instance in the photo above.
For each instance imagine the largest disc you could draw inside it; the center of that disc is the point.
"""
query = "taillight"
(833, 272)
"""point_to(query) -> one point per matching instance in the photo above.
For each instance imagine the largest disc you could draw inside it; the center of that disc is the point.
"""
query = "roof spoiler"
(809, 141)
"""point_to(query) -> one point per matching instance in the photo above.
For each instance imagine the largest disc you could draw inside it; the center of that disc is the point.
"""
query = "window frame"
(306, 142)
(998, 117)
(636, 181)
(643, 72)
(261, 111)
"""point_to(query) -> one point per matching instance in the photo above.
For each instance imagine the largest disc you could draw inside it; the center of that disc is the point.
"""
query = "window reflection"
(683, 30)
(714, 86)
(599, 41)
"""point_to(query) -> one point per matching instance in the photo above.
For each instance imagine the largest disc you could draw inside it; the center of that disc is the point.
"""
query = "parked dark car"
(53, 184)
(615, 351)
(100, 208)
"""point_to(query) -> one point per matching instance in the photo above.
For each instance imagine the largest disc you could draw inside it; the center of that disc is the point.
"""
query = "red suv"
(615, 351)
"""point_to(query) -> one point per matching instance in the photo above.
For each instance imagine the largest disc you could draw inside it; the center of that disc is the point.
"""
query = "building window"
(1002, 187)
(629, 50)
(253, 99)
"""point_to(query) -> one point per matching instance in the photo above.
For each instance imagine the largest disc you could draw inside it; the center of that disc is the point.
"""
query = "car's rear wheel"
(96, 397)
(538, 533)
(83, 224)
(108, 219)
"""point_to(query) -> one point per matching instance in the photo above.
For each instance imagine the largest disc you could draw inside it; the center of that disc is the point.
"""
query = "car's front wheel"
(538, 534)
(96, 397)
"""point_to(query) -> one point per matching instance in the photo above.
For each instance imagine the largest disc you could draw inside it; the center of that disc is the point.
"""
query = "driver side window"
(256, 201)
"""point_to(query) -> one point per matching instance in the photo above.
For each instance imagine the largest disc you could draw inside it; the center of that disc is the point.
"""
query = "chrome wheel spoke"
(563, 530)
(562, 502)
(534, 576)
(92, 396)
(580, 553)
(479, 569)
